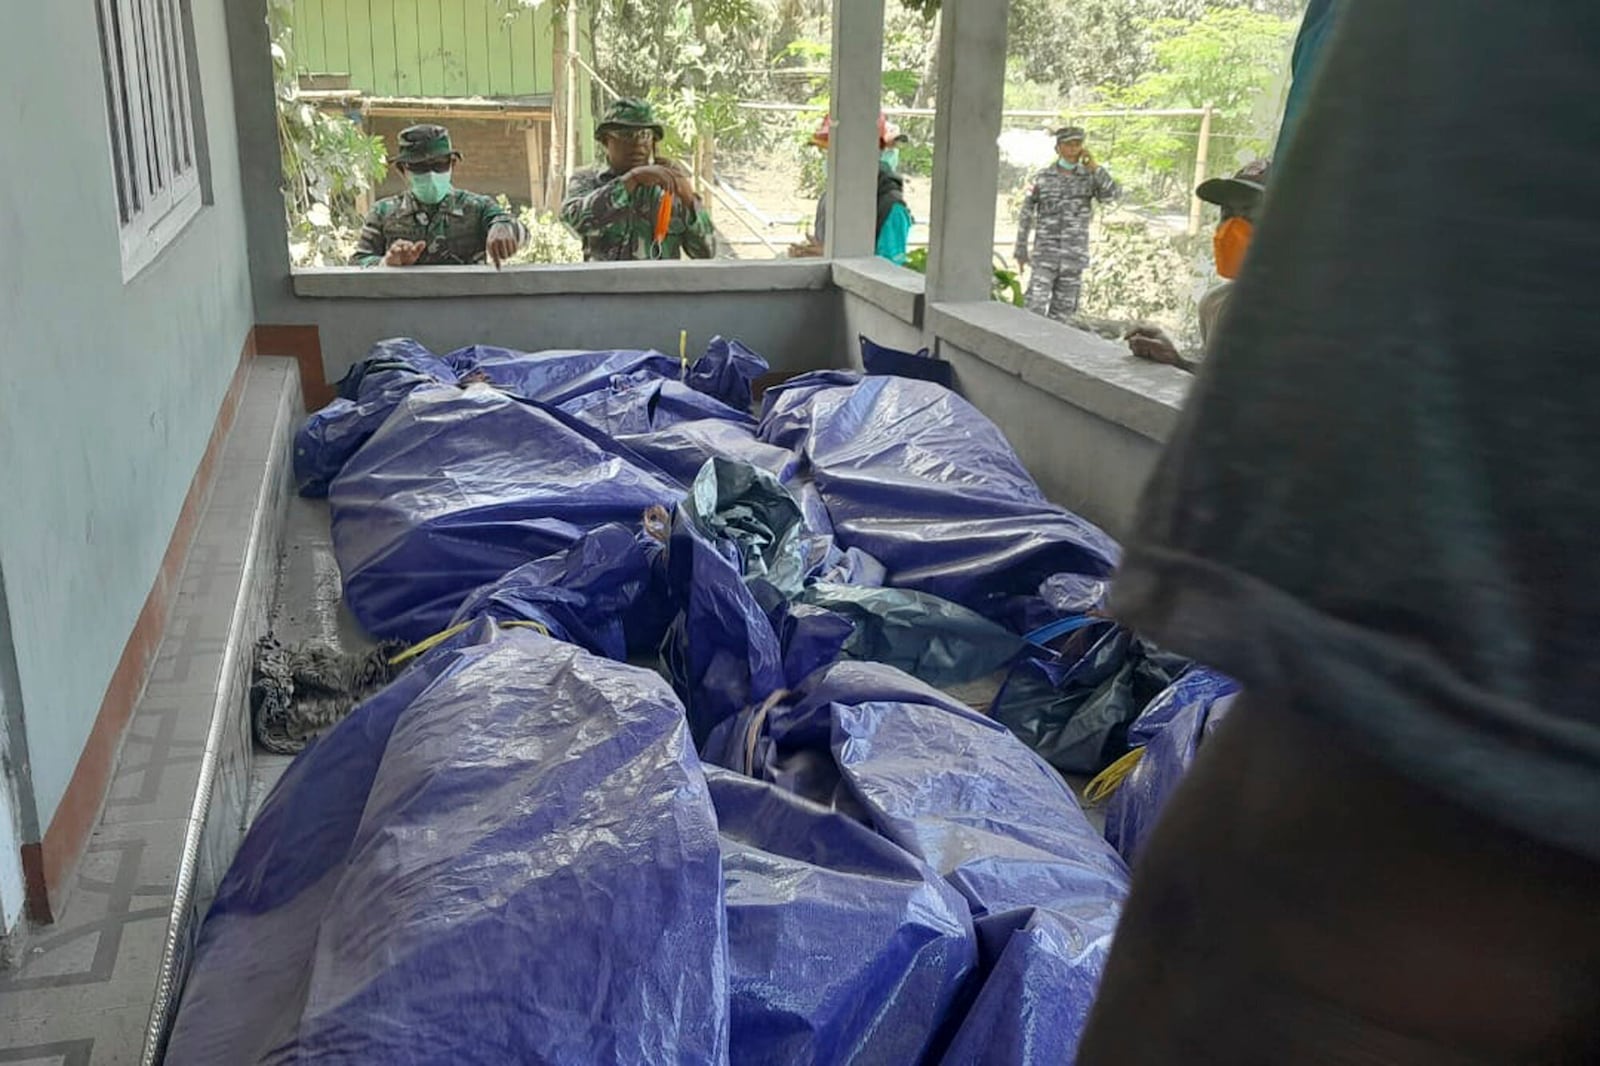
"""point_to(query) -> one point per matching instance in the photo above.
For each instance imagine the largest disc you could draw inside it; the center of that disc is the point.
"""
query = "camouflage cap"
(630, 115)
(1069, 133)
(419, 144)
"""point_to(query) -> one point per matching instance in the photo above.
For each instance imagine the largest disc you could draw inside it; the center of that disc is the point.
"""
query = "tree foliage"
(328, 162)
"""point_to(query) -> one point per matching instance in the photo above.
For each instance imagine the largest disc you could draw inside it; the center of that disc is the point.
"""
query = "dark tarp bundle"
(766, 601)
(1171, 730)
(915, 476)
(459, 487)
(961, 793)
(1075, 712)
(509, 855)
(842, 948)
(606, 593)
(736, 524)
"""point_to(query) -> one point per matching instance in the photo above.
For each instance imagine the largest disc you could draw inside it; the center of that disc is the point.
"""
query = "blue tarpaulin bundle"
(606, 594)
(718, 387)
(459, 487)
(842, 947)
(766, 601)
(1171, 730)
(915, 476)
(961, 793)
(510, 855)
(894, 878)
(367, 396)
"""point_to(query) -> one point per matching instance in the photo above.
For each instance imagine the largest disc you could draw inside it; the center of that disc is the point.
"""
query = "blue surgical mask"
(1064, 165)
(891, 158)
(430, 188)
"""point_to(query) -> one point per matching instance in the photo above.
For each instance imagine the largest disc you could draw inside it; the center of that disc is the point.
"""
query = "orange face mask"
(1230, 244)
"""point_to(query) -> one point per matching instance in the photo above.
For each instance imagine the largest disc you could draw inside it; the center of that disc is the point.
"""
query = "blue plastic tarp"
(842, 948)
(606, 593)
(367, 396)
(914, 475)
(510, 855)
(1171, 729)
(959, 792)
(459, 487)
(717, 387)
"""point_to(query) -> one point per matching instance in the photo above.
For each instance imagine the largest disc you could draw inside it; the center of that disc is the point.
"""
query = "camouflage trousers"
(1054, 289)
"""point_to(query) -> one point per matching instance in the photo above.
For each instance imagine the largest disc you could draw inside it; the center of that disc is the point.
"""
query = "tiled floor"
(81, 992)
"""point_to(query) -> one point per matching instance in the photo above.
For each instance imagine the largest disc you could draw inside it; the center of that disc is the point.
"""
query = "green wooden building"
(485, 68)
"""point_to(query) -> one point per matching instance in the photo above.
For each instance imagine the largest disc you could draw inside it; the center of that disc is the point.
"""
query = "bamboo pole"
(1202, 161)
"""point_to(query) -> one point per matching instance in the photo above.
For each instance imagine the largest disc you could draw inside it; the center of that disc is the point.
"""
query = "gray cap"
(1070, 133)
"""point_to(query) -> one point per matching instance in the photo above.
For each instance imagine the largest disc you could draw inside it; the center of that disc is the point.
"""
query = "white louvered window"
(150, 105)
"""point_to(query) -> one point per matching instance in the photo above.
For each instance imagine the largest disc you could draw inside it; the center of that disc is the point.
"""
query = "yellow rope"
(1112, 777)
(439, 638)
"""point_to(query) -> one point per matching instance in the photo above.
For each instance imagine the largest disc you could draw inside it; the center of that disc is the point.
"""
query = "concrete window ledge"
(1086, 371)
(419, 283)
(888, 287)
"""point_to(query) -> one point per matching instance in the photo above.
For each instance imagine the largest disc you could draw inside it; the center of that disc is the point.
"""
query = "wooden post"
(535, 140)
(556, 175)
(1202, 162)
(570, 151)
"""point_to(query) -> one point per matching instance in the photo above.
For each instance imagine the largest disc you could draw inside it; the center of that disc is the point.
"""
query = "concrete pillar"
(853, 149)
(966, 161)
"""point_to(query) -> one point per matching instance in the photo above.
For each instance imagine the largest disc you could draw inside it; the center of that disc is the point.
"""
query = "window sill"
(1097, 375)
(421, 283)
(139, 252)
(888, 287)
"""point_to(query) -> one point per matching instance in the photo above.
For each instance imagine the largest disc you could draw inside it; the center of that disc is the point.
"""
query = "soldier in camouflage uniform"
(1060, 205)
(433, 224)
(613, 209)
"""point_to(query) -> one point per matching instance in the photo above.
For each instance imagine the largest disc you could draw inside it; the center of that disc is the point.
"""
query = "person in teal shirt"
(894, 217)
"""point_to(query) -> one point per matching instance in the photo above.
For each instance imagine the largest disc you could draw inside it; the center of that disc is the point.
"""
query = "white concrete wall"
(108, 390)
(785, 311)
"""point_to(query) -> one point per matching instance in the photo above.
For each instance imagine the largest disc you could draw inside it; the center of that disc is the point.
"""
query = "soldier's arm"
(1106, 188)
(591, 205)
(1030, 208)
(699, 234)
(372, 244)
(494, 215)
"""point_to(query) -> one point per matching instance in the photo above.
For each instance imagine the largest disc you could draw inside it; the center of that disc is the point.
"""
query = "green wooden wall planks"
(453, 46)
(430, 44)
(427, 47)
(336, 37)
(308, 50)
(407, 49)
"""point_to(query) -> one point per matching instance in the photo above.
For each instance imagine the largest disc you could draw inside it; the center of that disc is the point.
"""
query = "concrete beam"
(853, 151)
(966, 162)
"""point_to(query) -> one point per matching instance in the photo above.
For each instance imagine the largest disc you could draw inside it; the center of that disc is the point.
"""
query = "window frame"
(152, 112)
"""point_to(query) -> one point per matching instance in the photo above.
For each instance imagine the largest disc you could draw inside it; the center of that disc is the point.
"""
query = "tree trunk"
(560, 103)
(930, 69)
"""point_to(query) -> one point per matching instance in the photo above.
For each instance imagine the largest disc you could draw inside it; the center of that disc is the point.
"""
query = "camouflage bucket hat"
(418, 144)
(629, 115)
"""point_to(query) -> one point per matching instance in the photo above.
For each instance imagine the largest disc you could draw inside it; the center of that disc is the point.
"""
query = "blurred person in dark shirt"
(1378, 513)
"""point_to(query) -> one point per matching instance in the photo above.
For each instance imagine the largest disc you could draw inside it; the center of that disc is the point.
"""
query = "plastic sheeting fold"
(510, 855)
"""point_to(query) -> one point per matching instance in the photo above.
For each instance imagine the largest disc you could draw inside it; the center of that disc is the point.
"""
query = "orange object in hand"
(663, 216)
(1230, 243)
